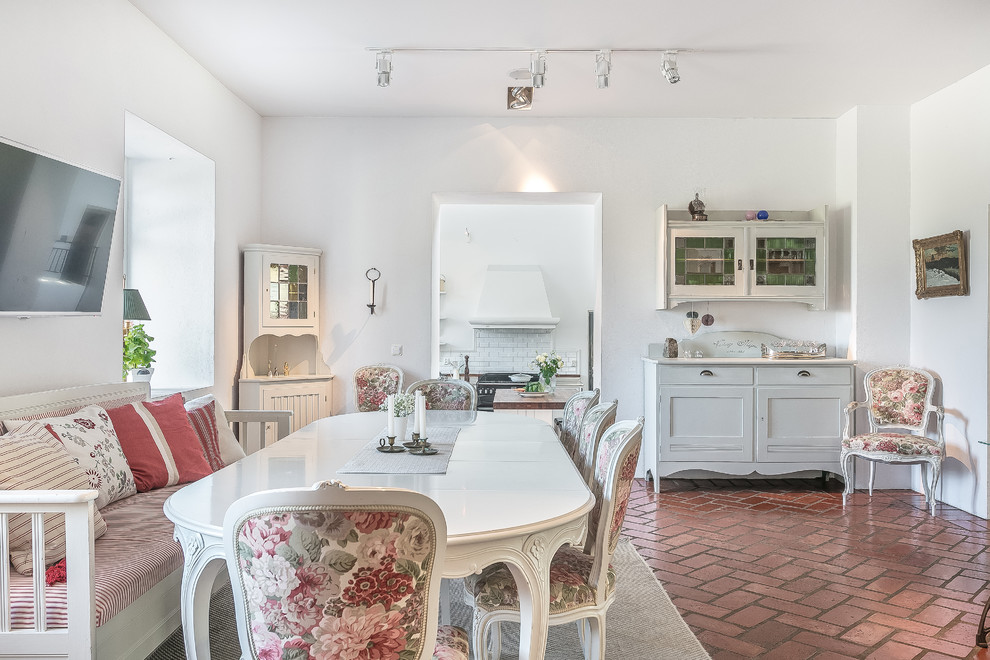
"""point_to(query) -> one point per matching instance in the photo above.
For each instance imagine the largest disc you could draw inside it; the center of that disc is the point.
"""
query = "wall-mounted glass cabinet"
(729, 258)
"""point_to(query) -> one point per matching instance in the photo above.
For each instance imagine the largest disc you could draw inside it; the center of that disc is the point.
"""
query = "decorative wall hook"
(372, 274)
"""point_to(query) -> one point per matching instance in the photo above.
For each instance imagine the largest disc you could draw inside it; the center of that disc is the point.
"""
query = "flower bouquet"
(548, 365)
(403, 405)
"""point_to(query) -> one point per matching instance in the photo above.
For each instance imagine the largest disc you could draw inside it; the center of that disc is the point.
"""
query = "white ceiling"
(753, 58)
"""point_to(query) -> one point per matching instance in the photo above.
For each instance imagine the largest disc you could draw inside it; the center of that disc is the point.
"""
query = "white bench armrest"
(282, 418)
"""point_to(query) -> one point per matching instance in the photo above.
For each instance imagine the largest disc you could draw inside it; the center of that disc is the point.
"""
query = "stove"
(490, 383)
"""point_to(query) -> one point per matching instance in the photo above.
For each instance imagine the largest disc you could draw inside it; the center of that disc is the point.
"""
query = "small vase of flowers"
(548, 365)
(403, 407)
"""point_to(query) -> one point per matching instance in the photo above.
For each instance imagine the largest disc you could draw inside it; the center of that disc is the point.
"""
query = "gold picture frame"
(940, 266)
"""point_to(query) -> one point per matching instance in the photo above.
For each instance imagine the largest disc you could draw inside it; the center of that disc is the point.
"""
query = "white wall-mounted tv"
(56, 224)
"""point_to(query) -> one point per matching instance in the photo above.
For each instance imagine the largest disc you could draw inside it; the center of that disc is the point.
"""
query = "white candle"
(390, 411)
(422, 423)
(415, 413)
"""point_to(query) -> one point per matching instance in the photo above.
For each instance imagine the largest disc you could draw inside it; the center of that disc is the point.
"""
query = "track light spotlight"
(538, 67)
(383, 64)
(603, 67)
(669, 66)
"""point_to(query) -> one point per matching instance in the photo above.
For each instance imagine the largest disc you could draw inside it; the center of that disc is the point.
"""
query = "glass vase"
(549, 384)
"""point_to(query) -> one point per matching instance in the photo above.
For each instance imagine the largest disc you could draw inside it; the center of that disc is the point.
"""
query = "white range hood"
(514, 297)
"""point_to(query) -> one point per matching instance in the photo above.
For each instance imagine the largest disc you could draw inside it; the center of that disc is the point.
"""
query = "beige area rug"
(642, 623)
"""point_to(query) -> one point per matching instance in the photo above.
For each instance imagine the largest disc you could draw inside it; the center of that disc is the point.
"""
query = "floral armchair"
(582, 584)
(375, 382)
(444, 394)
(574, 410)
(337, 572)
(897, 398)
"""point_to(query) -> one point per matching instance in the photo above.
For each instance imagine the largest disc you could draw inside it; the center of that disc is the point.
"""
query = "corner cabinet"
(728, 258)
(740, 416)
(282, 367)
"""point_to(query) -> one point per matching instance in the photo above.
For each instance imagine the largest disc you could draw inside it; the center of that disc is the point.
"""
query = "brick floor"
(776, 568)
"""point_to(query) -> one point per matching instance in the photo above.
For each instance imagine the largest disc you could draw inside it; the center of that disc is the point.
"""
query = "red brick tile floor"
(777, 569)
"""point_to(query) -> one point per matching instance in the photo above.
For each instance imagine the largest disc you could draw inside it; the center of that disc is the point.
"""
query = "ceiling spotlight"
(669, 66)
(538, 67)
(603, 67)
(383, 64)
(519, 98)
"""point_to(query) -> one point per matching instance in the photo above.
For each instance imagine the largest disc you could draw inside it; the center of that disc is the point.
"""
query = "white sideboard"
(744, 415)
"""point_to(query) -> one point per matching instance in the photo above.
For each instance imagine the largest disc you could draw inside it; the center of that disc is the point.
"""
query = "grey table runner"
(371, 461)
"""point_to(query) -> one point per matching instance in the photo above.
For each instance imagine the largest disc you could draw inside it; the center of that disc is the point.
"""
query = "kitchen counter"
(539, 407)
(509, 399)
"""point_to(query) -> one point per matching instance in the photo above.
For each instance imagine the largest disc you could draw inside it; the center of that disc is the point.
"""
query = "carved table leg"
(200, 568)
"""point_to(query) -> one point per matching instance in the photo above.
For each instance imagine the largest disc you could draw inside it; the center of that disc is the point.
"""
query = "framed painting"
(940, 266)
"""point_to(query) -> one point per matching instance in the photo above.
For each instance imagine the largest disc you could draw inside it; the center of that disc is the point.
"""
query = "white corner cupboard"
(784, 258)
(740, 416)
(282, 367)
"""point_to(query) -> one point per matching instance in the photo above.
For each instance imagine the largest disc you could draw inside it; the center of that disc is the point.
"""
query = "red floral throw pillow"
(160, 445)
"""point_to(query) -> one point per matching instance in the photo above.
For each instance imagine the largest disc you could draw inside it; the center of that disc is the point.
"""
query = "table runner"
(371, 461)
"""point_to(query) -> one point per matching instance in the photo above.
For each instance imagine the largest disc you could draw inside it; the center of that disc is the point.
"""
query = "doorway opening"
(560, 233)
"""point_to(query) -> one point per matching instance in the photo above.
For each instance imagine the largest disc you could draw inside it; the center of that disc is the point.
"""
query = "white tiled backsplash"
(504, 349)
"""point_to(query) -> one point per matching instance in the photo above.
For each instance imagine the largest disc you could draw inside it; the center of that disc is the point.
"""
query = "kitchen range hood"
(514, 297)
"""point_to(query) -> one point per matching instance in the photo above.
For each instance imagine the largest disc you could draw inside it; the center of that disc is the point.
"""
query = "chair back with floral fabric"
(446, 394)
(900, 397)
(596, 420)
(574, 410)
(615, 467)
(335, 572)
(375, 382)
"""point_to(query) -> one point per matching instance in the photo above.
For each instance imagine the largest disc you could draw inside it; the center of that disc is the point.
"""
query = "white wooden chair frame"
(486, 635)
(931, 464)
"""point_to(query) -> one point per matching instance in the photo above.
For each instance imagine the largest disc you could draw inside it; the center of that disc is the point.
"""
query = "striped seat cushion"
(135, 554)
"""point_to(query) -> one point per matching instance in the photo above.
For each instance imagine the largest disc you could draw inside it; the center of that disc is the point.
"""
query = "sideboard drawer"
(706, 374)
(804, 375)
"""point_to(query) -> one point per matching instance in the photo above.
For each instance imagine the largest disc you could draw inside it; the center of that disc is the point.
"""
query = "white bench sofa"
(111, 606)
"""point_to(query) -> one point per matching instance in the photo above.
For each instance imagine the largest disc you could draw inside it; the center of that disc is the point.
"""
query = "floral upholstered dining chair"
(375, 382)
(582, 583)
(446, 394)
(336, 572)
(596, 420)
(570, 424)
(897, 398)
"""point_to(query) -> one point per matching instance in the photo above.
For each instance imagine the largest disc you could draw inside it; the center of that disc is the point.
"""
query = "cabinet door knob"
(804, 373)
(751, 264)
(739, 267)
(707, 372)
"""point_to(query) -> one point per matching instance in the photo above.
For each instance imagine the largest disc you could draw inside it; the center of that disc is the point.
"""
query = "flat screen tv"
(56, 223)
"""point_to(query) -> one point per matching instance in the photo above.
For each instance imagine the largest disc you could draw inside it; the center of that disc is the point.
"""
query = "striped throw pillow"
(159, 443)
(203, 418)
(32, 459)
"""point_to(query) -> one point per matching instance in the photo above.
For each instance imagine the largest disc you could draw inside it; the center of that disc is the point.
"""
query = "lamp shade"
(134, 309)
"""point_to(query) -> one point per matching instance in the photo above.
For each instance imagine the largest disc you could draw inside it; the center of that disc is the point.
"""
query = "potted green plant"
(138, 354)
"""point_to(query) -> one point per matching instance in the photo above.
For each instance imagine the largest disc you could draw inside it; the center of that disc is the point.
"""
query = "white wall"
(950, 168)
(361, 189)
(873, 189)
(69, 70)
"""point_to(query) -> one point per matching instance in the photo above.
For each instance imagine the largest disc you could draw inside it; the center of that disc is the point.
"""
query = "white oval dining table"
(510, 494)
